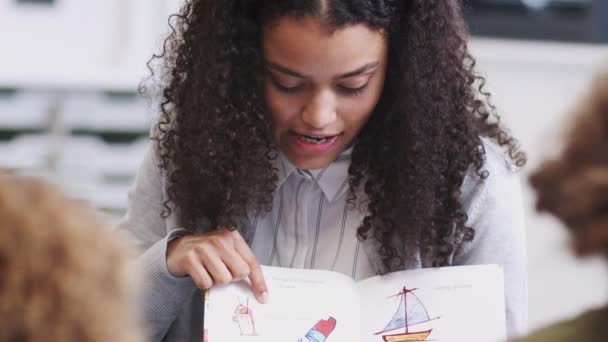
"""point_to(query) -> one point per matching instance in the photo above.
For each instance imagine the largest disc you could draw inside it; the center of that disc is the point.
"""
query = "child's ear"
(546, 183)
(586, 210)
(584, 194)
(592, 238)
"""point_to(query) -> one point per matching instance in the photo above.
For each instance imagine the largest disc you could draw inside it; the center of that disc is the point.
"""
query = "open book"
(462, 303)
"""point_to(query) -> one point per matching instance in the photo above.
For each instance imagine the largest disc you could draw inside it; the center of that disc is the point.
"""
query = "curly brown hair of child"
(574, 186)
(63, 277)
(409, 161)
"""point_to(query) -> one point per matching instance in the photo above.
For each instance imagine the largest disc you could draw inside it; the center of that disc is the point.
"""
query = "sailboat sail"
(416, 313)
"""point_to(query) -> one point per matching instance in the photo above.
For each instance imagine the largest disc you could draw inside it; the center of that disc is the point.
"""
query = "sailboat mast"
(405, 309)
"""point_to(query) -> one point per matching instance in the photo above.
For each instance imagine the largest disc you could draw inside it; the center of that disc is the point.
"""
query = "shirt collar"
(333, 179)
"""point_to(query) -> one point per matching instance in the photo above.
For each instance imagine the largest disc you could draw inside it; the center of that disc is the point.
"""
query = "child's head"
(63, 279)
(575, 186)
(244, 79)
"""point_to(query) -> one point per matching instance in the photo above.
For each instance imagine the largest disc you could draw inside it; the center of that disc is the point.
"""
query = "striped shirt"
(312, 226)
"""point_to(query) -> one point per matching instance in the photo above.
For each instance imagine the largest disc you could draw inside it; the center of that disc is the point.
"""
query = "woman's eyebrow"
(365, 68)
(284, 70)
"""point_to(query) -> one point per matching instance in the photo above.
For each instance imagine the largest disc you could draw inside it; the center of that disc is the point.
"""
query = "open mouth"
(315, 140)
(314, 143)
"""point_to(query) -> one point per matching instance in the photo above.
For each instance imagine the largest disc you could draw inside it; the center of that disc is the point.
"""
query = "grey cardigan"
(173, 308)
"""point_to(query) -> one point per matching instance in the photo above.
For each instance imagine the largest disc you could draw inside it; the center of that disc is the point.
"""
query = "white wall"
(70, 31)
(535, 86)
(78, 42)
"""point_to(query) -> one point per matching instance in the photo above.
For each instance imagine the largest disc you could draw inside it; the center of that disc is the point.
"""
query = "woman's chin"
(311, 163)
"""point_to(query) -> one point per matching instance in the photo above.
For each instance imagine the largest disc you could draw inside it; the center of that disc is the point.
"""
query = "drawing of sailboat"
(411, 311)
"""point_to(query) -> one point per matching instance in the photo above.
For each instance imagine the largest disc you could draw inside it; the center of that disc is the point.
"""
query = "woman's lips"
(314, 143)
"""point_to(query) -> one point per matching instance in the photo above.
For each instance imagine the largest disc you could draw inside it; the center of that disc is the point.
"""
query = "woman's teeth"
(313, 140)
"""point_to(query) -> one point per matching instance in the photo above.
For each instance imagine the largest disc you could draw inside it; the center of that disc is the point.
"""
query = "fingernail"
(264, 297)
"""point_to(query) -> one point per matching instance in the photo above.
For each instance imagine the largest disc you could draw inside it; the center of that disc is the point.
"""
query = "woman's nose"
(320, 110)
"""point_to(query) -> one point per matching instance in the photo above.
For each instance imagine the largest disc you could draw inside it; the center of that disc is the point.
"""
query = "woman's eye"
(351, 90)
(284, 88)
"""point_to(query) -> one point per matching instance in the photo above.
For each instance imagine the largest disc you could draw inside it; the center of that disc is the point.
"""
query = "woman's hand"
(216, 258)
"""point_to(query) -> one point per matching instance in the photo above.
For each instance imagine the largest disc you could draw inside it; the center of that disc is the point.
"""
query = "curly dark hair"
(574, 187)
(214, 134)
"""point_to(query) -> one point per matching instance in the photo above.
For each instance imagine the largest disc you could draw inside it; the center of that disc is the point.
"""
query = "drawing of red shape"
(321, 331)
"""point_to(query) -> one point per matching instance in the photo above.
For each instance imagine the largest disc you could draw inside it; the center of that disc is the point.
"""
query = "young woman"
(326, 134)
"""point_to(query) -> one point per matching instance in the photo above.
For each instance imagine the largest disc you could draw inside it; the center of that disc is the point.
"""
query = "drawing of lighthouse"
(243, 316)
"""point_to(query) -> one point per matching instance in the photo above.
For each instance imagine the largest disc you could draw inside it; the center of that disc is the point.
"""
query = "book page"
(304, 305)
(461, 303)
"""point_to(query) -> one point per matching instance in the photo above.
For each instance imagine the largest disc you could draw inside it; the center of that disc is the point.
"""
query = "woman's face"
(321, 86)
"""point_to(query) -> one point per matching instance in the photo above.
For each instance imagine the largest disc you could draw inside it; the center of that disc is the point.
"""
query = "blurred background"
(69, 108)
